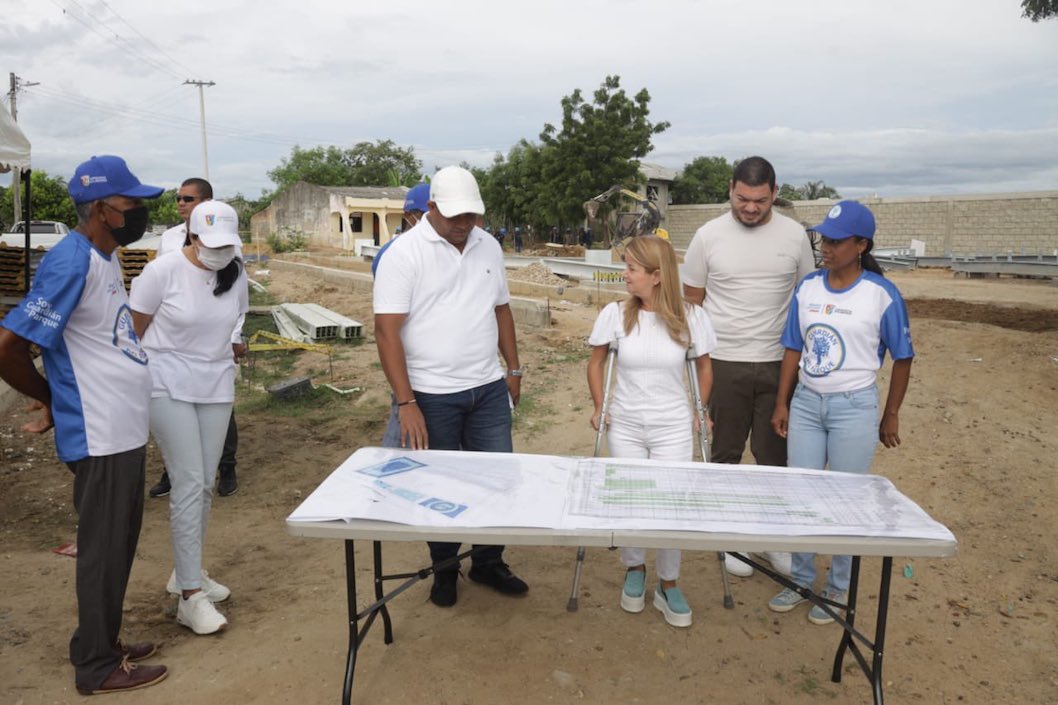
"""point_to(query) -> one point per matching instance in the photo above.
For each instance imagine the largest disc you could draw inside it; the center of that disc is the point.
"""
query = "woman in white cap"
(649, 416)
(185, 306)
(842, 320)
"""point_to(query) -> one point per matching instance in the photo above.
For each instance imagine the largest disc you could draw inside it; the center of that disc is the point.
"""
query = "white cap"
(455, 191)
(216, 224)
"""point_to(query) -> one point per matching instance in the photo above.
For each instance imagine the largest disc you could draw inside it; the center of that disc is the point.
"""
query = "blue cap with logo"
(846, 219)
(106, 176)
(417, 198)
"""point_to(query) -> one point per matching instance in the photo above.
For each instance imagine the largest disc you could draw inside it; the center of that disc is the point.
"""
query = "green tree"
(163, 209)
(704, 180)
(808, 191)
(1037, 10)
(597, 145)
(51, 200)
(381, 163)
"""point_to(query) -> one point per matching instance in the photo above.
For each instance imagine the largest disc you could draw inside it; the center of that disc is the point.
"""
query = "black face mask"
(135, 225)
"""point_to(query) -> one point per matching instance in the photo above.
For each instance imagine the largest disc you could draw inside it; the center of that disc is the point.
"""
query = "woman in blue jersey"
(842, 320)
(650, 416)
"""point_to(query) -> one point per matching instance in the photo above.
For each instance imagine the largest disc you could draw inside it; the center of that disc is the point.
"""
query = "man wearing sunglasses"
(192, 192)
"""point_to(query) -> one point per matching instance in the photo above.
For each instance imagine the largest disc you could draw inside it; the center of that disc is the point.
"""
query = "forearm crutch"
(611, 357)
(703, 446)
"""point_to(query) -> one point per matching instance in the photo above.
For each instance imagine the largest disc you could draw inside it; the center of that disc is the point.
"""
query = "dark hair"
(867, 260)
(754, 171)
(205, 190)
(226, 277)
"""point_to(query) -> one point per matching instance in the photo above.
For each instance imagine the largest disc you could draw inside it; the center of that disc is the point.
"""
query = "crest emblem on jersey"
(828, 309)
(210, 219)
(824, 350)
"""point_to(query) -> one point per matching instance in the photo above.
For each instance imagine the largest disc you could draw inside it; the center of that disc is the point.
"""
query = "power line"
(147, 39)
(83, 17)
(167, 120)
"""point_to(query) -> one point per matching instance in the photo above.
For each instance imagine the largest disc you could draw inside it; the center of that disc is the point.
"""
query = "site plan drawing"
(461, 489)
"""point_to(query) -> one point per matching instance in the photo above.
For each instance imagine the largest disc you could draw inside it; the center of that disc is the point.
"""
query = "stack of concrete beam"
(309, 322)
(287, 327)
(347, 327)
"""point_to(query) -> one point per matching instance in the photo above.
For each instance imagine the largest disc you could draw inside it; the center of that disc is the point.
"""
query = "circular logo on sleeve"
(824, 350)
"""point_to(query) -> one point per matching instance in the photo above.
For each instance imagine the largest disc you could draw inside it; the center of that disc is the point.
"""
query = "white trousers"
(663, 441)
(191, 438)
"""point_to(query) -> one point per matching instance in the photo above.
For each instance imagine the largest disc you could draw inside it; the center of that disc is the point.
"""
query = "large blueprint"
(458, 489)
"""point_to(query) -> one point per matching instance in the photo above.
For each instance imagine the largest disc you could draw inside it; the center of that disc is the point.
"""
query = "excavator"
(620, 226)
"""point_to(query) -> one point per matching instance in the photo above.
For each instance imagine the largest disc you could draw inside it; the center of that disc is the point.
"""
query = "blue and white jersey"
(843, 334)
(78, 313)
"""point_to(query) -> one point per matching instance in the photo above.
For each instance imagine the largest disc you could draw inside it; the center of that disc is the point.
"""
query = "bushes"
(287, 240)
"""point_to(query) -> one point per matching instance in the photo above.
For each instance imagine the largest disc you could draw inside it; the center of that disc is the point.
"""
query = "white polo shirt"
(172, 239)
(749, 275)
(450, 336)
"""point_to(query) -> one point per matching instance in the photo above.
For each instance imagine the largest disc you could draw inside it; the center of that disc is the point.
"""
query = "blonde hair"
(656, 255)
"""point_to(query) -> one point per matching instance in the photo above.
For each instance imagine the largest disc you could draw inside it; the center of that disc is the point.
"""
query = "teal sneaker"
(785, 601)
(817, 615)
(633, 594)
(673, 605)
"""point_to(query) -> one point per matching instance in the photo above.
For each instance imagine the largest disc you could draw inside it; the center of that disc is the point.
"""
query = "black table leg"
(354, 638)
(879, 630)
(850, 617)
(387, 625)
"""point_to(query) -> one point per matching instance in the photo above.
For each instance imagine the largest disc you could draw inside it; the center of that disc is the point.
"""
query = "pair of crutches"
(703, 446)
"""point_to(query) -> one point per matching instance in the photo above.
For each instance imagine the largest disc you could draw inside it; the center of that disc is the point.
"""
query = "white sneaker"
(199, 615)
(736, 567)
(781, 561)
(214, 590)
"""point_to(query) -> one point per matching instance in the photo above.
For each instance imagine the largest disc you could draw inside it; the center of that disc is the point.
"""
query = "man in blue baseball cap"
(414, 207)
(95, 396)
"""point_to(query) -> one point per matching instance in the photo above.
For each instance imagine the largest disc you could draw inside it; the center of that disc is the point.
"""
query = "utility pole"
(16, 173)
(202, 120)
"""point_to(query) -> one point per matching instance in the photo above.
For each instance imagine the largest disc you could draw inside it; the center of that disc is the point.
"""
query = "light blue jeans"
(838, 431)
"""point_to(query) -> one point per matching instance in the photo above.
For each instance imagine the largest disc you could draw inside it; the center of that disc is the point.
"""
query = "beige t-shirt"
(749, 275)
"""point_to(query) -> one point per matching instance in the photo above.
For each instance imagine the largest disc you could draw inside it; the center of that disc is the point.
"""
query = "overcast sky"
(897, 97)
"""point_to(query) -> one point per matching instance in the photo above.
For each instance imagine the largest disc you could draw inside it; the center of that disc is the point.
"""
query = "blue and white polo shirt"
(78, 313)
(843, 334)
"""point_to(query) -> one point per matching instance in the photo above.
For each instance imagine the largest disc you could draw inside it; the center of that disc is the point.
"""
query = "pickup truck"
(42, 233)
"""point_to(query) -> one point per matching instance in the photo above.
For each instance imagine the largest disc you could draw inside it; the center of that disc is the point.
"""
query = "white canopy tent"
(14, 147)
(14, 154)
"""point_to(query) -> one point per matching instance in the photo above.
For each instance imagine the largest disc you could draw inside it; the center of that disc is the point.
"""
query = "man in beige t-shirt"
(742, 268)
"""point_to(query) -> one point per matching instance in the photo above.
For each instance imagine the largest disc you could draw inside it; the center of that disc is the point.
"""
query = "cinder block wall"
(1018, 223)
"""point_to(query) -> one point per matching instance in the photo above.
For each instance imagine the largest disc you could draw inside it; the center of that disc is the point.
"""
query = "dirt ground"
(979, 454)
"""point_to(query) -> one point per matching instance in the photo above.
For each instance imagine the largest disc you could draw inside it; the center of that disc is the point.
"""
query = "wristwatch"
(516, 372)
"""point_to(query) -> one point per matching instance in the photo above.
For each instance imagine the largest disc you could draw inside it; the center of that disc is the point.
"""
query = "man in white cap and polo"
(441, 311)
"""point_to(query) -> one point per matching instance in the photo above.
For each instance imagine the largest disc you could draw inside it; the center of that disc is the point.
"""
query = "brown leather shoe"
(128, 676)
(136, 652)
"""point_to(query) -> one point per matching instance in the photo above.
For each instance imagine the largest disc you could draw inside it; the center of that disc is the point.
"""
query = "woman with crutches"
(841, 321)
(649, 415)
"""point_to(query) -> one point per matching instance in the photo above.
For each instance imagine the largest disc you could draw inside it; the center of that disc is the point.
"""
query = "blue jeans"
(477, 419)
(838, 431)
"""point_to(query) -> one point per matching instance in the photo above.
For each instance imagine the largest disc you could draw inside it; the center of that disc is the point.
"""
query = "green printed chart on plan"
(728, 494)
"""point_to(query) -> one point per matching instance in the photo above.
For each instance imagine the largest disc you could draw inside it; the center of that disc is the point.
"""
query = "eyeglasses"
(186, 199)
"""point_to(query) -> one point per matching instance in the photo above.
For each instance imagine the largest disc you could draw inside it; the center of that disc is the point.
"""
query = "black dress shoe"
(163, 486)
(228, 484)
(443, 592)
(499, 577)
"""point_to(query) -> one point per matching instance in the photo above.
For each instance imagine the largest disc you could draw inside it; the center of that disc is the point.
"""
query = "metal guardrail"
(1025, 269)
